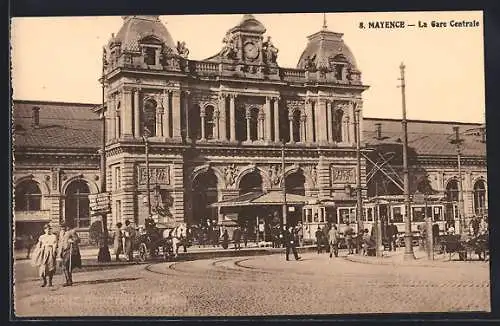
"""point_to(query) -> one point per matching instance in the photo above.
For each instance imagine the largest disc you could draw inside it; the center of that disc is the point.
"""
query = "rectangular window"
(397, 216)
(369, 214)
(438, 213)
(118, 176)
(418, 214)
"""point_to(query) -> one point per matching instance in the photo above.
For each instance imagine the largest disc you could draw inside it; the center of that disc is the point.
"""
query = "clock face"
(251, 51)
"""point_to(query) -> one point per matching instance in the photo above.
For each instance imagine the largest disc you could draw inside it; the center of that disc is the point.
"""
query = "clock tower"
(247, 38)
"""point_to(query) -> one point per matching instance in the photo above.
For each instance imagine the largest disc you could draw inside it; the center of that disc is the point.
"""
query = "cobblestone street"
(263, 285)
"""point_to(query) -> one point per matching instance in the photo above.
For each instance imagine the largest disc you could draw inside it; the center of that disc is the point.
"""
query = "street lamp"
(461, 209)
(283, 186)
(359, 197)
(103, 254)
(146, 151)
(408, 255)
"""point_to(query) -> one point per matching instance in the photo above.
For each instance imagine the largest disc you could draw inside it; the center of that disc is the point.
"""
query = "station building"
(216, 130)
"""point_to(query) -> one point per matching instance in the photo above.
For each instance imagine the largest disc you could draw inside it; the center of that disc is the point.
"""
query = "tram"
(385, 208)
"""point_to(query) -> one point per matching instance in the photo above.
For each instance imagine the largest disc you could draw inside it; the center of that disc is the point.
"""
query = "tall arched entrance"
(76, 208)
(247, 216)
(479, 195)
(250, 182)
(204, 193)
(295, 183)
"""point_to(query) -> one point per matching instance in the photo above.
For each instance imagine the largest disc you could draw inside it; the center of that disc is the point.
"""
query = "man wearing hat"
(69, 252)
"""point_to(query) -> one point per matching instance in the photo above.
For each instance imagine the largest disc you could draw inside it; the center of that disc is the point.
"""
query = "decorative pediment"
(150, 39)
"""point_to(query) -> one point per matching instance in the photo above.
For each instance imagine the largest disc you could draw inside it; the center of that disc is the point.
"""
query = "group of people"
(52, 250)
(123, 239)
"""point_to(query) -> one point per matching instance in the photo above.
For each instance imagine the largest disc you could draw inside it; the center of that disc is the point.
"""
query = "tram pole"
(359, 196)
(409, 254)
(283, 186)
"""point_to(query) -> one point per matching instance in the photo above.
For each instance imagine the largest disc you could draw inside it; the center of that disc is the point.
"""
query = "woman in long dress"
(45, 255)
(118, 241)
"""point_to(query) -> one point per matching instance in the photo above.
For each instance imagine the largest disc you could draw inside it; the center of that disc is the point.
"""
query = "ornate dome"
(136, 28)
(323, 47)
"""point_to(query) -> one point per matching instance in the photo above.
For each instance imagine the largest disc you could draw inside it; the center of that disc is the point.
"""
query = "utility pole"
(283, 186)
(461, 209)
(359, 196)
(103, 254)
(409, 254)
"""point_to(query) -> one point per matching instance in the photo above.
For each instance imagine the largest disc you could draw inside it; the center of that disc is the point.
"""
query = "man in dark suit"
(392, 232)
(291, 243)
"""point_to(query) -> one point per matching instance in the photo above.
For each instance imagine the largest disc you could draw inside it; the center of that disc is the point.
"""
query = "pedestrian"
(128, 240)
(392, 232)
(475, 226)
(237, 238)
(365, 241)
(225, 239)
(333, 241)
(435, 233)
(348, 234)
(29, 243)
(69, 252)
(244, 235)
(290, 243)
(319, 239)
(45, 255)
(118, 240)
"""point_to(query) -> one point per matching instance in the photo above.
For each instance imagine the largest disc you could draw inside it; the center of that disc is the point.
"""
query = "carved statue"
(310, 65)
(270, 51)
(182, 49)
(230, 173)
(230, 48)
(275, 175)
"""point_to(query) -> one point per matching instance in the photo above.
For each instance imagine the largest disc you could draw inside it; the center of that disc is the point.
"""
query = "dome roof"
(136, 28)
(325, 45)
(249, 24)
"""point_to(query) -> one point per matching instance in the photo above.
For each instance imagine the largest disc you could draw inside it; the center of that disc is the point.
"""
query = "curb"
(422, 262)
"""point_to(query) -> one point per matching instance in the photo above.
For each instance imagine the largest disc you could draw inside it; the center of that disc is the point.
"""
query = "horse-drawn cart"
(154, 242)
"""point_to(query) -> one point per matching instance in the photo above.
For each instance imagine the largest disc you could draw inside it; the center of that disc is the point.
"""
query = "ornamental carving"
(230, 48)
(275, 174)
(270, 51)
(230, 174)
(343, 174)
(157, 175)
(313, 173)
(182, 49)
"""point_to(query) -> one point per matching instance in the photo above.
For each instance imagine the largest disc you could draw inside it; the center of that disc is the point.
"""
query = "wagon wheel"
(143, 252)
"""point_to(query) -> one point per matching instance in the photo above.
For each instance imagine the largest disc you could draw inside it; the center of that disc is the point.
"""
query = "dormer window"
(151, 48)
(339, 64)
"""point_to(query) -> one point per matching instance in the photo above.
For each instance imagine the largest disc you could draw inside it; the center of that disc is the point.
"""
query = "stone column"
(303, 119)
(159, 119)
(176, 114)
(262, 125)
(137, 114)
(232, 117)
(322, 120)
(117, 123)
(290, 122)
(216, 124)
(202, 118)
(222, 117)
(359, 106)
(166, 110)
(248, 115)
(186, 112)
(345, 129)
(317, 122)
(126, 114)
(276, 120)
(267, 118)
(310, 122)
(329, 121)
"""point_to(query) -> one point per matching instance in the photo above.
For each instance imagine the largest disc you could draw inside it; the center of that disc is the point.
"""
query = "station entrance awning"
(262, 199)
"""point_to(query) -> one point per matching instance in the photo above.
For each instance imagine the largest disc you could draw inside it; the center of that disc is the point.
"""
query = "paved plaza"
(260, 285)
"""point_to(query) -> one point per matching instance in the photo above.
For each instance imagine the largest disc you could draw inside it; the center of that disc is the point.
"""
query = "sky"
(59, 58)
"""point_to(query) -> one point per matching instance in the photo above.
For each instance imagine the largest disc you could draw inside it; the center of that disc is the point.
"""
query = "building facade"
(213, 130)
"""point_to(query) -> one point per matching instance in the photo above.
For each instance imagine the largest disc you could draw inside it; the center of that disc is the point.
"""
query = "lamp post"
(359, 197)
(461, 209)
(103, 254)
(283, 186)
(409, 254)
(146, 152)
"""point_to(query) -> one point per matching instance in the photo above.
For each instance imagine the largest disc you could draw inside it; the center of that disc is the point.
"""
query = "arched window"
(479, 197)
(339, 64)
(251, 182)
(149, 116)
(295, 183)
(77, 204)
(209, 122)
(452, 191)
(337, 125)
(296, 125)
(195, 122)
(28, 196)
(254, 123)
